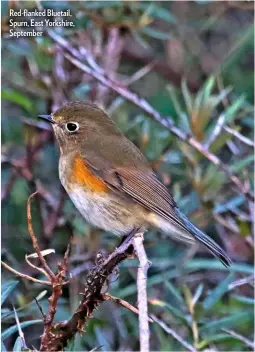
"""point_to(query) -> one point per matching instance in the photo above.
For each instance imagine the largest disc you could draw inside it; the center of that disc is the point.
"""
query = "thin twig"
(57, 283)
(239, 136)
(139, 74)
(217, 130)
(121, 302)
(40, 308)
(98, 73)
(42, 271)
(240, 338)
(173, 333)
(144, 265)
(21, 335)
(111, 59)
(49, 272)
(24, 276)
(249, 280)
(226, 128)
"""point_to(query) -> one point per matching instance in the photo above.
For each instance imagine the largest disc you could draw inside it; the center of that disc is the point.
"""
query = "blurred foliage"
(192, 61)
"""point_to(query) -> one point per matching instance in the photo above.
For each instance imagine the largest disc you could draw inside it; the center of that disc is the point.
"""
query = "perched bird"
(110, 181)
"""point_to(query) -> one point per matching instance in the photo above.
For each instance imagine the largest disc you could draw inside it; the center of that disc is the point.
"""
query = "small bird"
(110, 181)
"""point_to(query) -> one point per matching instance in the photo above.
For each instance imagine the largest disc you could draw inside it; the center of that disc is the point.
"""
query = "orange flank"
(82, 176)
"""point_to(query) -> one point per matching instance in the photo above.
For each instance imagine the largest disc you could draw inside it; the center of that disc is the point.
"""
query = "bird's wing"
(143, 186)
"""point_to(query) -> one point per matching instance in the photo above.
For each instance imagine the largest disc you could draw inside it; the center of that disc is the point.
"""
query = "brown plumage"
(134, 196)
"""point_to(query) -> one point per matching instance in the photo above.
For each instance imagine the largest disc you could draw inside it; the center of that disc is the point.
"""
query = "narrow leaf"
(243, 299)
(235, 319)
(209, 84)
(18, 345)
(217, 337)
(217, 293)
(154, 33)
(230, 113)
(3, 348)
(44, 253)
(175, 292)
(7, 289)
(198, 264)
(241, 164)
(10, 331)
(187, 97)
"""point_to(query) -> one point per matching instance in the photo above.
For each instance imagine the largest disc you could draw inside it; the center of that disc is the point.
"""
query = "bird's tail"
(201, 237)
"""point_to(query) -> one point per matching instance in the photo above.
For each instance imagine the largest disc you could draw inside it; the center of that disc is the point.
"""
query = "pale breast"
(105, 211)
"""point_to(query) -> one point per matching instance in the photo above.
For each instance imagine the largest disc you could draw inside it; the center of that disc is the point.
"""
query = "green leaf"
(230, 113)
(217, 337)
(246, 38)
(215, 100)
(163, 14)
(214, 296)
(3, 348)
(175, 292)
(187, 97)
(17, 98)
(138, 37)
(155, 33)
(176, 312)
(197, 294)
(241, 164)
(208, 86)
(70, 345)
(155, 11)
(8, 332)
(235, 319)
(174, 99)
(7, 289)
(243, 299)
(18, 345)
(213, 264)
(233, 203)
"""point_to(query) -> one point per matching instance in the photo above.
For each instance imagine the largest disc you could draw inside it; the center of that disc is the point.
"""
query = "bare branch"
(24, 276)
(34, 266)
(239, 136)
(121, 302)
(49, 273)
(240, 338)
(249, 280)
(57, 283)
(111, 60)
(217, 130)
(144, 265)
(21, 335)
(140, 73)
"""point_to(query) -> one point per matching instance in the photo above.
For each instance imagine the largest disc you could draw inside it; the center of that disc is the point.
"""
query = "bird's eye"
(72, 126)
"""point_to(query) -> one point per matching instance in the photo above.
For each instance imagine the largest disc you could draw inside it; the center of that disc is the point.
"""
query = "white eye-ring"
(72, 126)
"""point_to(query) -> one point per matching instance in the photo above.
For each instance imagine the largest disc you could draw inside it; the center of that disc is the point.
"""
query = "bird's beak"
(48, 118)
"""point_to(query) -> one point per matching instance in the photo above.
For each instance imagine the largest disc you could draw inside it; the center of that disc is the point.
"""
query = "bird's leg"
(126, 238)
